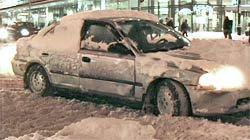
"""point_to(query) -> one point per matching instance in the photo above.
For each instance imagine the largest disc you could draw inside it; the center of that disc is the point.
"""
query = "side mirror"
(119, 48)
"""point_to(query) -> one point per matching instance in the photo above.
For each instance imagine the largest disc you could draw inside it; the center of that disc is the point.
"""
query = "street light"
(158, 7)
(29, 18)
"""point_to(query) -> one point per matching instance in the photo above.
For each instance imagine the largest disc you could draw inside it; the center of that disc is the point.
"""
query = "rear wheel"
(38, 81)
(171, 99)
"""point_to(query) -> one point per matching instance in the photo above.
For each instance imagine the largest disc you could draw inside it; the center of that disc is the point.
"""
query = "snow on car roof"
(102, 14)
(63, 37)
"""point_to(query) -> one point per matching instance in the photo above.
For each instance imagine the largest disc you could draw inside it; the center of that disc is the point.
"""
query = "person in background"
(248, 27)
(170, 22)
(161, 21)
(227, 27)
(184, 28)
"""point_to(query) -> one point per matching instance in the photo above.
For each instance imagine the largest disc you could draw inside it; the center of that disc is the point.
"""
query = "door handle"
(86, 59)
(45, 54)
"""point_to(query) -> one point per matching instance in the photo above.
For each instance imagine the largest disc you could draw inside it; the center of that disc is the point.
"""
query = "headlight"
(3, 33)
(25, 32)
(223, 78)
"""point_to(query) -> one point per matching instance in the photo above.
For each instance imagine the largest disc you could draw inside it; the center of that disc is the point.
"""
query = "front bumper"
(19, 66)
(206, 102)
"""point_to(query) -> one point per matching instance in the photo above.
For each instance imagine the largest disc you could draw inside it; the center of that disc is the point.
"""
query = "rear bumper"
(219, 102)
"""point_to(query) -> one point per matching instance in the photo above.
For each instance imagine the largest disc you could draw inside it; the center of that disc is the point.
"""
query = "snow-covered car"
(127, 55)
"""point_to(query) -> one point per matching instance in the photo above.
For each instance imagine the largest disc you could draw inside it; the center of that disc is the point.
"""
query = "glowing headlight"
(3, 33)
(25, 32)
(223, 78)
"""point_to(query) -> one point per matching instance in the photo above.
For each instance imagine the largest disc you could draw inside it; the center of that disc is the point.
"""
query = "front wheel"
(171, 99)
(38, 81)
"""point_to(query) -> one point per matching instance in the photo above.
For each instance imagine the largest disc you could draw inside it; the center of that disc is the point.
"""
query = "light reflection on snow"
(6, 55)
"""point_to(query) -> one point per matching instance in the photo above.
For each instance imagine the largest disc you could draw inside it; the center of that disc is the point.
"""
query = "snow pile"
(33, 136)
(105, 129)
(216, 35)
(184, 128)
(220, 50)
(98, 129)
(7, 53)
(225, 52)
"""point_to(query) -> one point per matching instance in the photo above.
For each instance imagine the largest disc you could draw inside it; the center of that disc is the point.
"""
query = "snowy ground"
(25, 116)
(216, 35)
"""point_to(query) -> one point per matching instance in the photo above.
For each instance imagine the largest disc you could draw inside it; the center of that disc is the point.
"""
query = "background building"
(202, 15)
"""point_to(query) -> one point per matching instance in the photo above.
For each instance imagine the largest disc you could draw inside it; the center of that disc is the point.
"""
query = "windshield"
(149, 36)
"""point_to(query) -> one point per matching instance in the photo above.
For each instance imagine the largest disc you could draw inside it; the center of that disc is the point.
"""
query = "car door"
(61, 53)
(107, 64)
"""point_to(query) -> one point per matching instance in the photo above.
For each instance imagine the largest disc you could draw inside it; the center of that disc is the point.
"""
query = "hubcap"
(164, 102)
(37, 82)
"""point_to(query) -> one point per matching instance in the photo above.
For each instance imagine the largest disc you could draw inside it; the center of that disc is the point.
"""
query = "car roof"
(69, 39)
(111, 14)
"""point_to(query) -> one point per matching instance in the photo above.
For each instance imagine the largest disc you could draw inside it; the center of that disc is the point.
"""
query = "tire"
(38, 81)
(184, 100)
(172, 99)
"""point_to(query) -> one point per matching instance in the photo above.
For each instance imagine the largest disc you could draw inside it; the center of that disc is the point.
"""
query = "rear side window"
(100, 33)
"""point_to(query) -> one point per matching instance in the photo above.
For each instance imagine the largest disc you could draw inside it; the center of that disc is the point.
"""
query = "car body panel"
(212, 102)
(105, 72)
(64, 68)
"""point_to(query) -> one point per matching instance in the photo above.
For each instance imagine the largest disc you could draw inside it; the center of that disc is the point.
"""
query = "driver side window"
(99, 36)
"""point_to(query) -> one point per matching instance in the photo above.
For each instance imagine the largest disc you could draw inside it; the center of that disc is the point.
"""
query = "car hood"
(156, 64)
(197, 60)
(183, 67)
